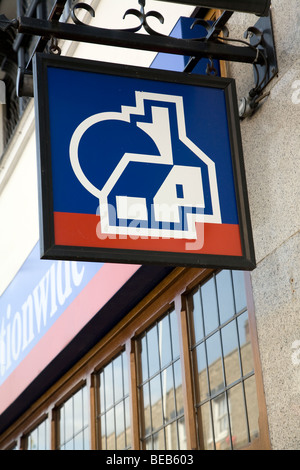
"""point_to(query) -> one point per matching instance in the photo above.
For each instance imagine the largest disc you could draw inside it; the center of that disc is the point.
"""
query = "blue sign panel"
(141, 166)
(185, 28)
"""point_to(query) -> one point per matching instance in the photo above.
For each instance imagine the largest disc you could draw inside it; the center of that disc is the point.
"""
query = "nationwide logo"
(143, 166)
(168, 191)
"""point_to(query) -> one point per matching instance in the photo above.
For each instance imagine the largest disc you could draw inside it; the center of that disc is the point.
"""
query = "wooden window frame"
(167, 311)
(55, 439)
(95, 399)
(171, 292)
(35, 425)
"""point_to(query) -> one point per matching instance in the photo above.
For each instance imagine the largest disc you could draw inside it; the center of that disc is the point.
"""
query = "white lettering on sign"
(19, 329)
(177, 188)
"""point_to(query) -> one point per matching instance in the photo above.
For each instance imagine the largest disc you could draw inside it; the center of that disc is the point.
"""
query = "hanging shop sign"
(140, 166)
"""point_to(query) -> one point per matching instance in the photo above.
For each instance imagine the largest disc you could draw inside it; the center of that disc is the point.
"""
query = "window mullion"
(54, 429)
(133, 395)
(93, 410)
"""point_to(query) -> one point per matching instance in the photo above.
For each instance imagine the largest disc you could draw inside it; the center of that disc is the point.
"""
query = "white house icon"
(177, 200)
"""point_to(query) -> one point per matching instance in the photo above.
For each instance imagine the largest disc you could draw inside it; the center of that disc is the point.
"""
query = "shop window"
(114, 408)
(223, 370)
(181, 371)
(160, 386)
(74, 422)
(39, 438)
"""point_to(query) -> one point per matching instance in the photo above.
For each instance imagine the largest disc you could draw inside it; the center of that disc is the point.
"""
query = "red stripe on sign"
(84, 230)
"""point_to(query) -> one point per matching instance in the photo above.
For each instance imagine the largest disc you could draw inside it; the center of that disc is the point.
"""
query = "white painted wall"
(18, 200)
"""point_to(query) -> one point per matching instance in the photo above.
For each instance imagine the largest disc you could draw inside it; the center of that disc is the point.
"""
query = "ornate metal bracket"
(140, 14)
(262, 38)
(216, 44)
(143, 17)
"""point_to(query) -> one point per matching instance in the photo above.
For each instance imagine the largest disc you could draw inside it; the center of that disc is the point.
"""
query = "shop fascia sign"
(140, 166)
(31, 304)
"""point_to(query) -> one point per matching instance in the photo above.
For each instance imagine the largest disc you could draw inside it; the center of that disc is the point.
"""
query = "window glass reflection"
(196, 309)
(238, 417)
(174, 335)
(206, 436)
(231, 353)
(144, 358)
(118, 378)
(225, 295)
(210, 308)
(221, 423)
(39, 438)
(114, 414)
(239, 290)
(244, 338)
(252, 406)
(178, 387)
(222, 360)
(214, 360)
(156, 402)
(168, 394)
(161, 397)
(108, 386)
(74, 419)
(120, 426)
(165, 351)
(153, 357)
(202, 389)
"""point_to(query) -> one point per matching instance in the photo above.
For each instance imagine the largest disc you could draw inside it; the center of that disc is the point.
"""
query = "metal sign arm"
(256, 7)
(260, 53)
(90, 34)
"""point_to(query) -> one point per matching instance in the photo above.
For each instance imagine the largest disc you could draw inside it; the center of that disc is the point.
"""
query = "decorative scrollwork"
(141, 15)
(54, 47)
(254, 32)
(7, 25)
(211, 69)
(80, 6)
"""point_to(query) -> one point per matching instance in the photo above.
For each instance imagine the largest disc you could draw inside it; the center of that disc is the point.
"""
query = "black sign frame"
(51, 250)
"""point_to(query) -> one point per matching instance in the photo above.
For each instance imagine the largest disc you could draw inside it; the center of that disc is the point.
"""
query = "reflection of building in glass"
(74, 422)
(114, 413)
(160, 387)
(223, 417)
(38, 438)
(227, 412)
(225, 398)
(224, 383)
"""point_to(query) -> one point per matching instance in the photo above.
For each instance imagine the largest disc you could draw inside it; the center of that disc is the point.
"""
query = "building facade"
(108, 356)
